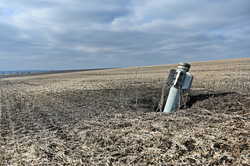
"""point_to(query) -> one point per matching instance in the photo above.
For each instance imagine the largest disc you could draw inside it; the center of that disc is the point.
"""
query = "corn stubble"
(108, 118)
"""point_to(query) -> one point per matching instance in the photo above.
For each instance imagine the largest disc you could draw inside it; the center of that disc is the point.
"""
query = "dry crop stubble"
(107, 117)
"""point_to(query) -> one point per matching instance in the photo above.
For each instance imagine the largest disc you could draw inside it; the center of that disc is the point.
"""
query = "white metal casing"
(179, 86)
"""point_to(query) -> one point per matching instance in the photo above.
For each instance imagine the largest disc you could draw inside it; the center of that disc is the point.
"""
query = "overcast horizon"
(65, 34)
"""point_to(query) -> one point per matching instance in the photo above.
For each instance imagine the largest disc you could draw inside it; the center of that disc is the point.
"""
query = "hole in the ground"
(201, 96)
(210, 100)
(145, 104)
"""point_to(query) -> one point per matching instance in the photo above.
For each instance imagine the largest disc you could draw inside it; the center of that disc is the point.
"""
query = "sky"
(82, 34)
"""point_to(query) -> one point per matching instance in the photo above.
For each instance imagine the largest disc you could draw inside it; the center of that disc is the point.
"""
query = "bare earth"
(107, 117)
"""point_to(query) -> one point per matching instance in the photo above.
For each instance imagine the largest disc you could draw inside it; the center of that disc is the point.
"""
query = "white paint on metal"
(173, 100)
(182, 82)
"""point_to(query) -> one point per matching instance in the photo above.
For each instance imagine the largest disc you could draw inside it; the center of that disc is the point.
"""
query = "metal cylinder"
(174, 96)
(184, 66)
(173, 100)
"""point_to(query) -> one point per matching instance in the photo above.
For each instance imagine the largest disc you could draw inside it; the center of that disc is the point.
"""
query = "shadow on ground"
(210, 100)
(200, 96)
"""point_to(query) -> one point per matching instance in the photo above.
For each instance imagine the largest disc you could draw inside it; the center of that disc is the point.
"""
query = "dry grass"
(107, 118)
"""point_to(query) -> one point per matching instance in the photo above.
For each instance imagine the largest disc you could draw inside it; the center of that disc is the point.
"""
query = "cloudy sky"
(78, 34)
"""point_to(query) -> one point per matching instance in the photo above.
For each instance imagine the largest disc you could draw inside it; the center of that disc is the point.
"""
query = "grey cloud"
(64, 34)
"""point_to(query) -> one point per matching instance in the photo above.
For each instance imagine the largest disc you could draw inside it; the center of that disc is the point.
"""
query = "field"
(107, 117)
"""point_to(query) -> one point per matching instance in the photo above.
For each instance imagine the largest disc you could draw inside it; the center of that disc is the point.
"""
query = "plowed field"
(107, 117)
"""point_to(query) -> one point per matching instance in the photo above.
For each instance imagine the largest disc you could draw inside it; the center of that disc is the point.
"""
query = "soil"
(120, 126)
